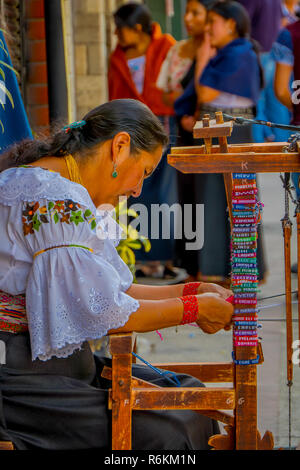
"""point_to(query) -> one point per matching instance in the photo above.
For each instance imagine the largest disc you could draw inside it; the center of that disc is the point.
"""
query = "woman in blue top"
(228, 82)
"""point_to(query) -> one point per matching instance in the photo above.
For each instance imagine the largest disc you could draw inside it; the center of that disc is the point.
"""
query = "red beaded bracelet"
(190, 309)
(191, 288)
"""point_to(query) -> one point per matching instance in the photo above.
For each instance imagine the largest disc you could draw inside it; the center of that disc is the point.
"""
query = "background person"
(266, 21)
(230, 82)
(134, 67)
(287, 57)
(176, 73)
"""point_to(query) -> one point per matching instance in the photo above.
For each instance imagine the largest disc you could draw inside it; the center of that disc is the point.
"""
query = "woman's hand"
(188, 123)
(205, 51)
(214, 288)
(214, 313)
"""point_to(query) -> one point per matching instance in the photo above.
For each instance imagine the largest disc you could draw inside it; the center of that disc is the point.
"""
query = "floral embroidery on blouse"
(68, 211)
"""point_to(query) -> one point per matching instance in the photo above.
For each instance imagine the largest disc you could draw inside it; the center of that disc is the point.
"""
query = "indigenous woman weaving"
(62, 284)
(229, 82)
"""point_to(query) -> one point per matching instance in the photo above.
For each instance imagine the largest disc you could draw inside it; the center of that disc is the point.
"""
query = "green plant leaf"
(128, 256)
(133, 233)
(134, 245)
(132, 213)
(146, 243)
(124, 228)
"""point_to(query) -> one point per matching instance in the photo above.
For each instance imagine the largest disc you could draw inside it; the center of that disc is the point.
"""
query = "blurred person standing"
(175, 75)
(134, 67)
(231, 82)
(266, 22)
(286, 51)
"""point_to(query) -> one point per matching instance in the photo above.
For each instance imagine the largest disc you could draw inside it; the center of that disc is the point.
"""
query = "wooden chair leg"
(121, 349)
(246, 407)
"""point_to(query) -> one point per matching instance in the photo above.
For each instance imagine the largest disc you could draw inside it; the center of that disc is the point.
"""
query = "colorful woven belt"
(13, 313)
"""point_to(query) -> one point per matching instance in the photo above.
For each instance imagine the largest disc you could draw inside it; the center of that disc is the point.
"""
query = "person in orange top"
(133, 71)
(139, 40)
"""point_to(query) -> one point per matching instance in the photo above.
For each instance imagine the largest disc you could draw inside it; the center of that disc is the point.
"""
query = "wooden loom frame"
(128, 394)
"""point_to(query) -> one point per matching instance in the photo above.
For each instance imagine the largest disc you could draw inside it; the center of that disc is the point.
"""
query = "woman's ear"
(231, 24)
(120, 147)
(138, 27)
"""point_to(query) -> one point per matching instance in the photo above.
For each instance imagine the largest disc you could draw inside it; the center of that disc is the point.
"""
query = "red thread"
(190, 309)
(191, 288)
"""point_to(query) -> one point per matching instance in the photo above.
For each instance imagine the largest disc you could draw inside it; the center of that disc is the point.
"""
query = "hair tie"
(74, 125)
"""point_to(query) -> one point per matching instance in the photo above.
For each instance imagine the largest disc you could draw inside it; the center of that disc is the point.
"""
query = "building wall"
(36, 80)
(25, 34)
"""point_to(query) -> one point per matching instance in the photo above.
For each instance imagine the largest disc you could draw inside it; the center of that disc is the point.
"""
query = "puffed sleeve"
(76, 288)
(282, 49)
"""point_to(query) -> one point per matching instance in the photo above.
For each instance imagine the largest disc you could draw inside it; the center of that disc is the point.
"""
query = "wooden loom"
(244, 158)
(128, 393)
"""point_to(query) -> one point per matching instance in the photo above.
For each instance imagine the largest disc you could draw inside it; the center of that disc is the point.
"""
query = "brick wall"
(36, 89)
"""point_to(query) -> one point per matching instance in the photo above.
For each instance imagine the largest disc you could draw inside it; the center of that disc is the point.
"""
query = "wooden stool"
(128, 394)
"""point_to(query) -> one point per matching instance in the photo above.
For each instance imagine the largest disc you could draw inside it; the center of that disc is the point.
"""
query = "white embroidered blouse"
(173, 69)
(58, 250)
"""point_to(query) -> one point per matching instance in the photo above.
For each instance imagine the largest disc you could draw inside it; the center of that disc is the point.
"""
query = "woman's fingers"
(214, 313)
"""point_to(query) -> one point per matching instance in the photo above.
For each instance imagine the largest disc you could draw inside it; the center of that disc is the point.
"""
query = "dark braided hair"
(99, 125)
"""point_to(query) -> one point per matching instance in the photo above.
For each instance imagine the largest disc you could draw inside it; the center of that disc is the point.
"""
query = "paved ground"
(190, 344)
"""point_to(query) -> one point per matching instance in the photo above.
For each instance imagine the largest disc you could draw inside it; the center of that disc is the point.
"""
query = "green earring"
(114, 173)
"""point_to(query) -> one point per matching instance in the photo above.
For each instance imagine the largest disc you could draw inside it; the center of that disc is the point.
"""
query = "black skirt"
(61, 404)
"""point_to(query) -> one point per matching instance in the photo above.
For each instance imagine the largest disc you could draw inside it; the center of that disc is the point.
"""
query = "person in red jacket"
(135, 63)
(133, 71)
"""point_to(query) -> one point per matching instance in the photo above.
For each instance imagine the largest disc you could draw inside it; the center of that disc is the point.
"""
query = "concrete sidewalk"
(191, 344)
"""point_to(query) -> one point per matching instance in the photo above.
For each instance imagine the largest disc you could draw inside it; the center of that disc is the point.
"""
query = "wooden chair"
(128, 394)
